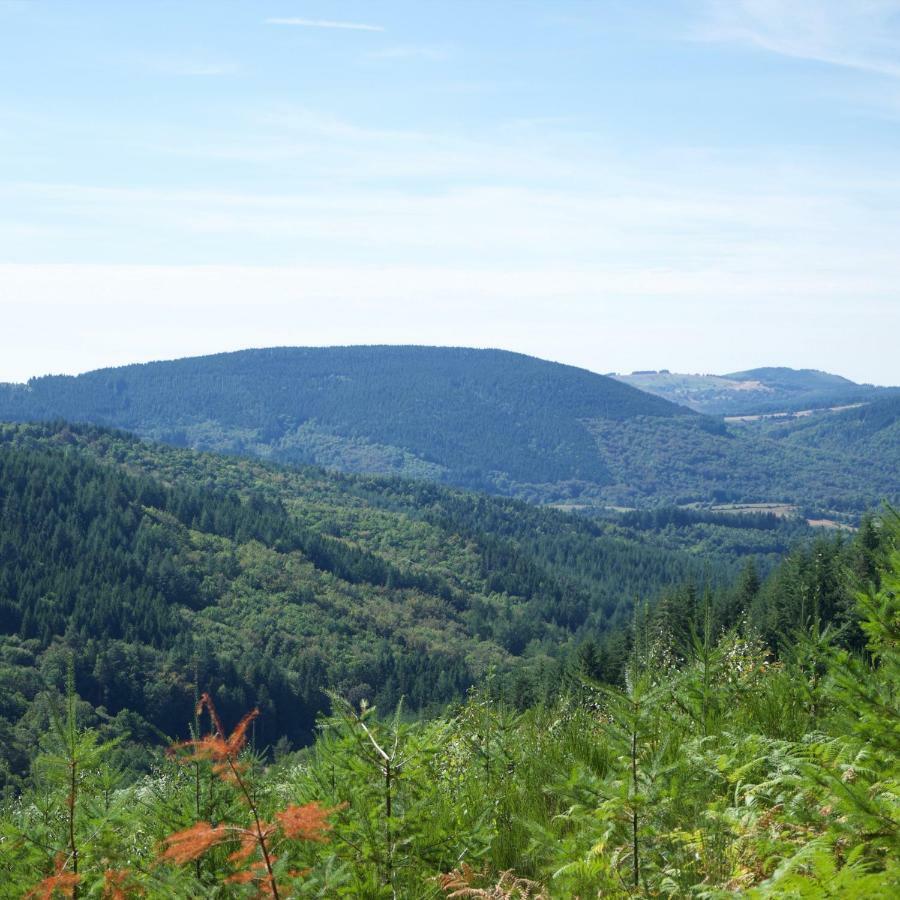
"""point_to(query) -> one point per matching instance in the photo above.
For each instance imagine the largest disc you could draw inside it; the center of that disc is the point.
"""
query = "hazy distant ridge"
(763, 390)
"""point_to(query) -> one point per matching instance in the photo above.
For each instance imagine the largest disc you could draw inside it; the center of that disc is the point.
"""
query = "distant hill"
(788, 379)
(484, 419)
(465, 416)
(764, 390)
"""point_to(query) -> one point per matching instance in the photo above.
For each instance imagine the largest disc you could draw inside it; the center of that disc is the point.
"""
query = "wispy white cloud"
(325, 23)
(358, 248)
(603, 320)
(855, 34)
(334, 188)
(724, 230)
(331, 146)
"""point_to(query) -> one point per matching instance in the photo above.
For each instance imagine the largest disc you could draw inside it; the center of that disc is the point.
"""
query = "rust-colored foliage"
(118, 885)
(257, 876)
(217, 747)
(256, 872)
(191, 843)
(60, 884)
(305, 823)
(249, 844)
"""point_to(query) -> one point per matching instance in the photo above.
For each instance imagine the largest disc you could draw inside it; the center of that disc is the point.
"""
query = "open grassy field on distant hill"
(767, 390)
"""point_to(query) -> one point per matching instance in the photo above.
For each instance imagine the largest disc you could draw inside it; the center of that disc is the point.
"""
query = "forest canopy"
(723, 762)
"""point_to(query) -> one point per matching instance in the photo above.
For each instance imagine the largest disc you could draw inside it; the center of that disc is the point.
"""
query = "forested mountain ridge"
(484, 419)
(450, 412)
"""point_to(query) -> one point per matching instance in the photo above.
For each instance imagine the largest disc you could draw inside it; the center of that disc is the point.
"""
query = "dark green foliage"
(737, 735)
(165, 570)
(870, 433)
(466, 412)
(701, 460)
(810, 587)
(733, 772)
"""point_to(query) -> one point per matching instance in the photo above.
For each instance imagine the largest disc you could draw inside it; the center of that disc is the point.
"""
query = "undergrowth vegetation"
(726, 769)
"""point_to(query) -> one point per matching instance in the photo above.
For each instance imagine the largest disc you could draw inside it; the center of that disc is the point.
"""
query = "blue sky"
(701, 186)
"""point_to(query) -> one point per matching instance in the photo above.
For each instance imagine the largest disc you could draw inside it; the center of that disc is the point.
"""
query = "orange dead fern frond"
(305, 823)
(257, 876)
(221, 749)
(60, 883)
(206, 702)
(255, 872)
(249, 844)
(55, 886)
(209, 747)
(238, 737)
(191, 843)
(118, 885)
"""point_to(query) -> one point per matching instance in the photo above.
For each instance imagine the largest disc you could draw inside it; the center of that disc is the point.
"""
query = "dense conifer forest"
(163, 569)
(227, 678)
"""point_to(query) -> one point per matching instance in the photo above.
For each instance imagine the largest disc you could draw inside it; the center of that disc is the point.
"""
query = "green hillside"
(453, 413)
(484, 419)
(795, 379)
(870, 433)
(702, 460)
(161, 566)
(734, 740)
